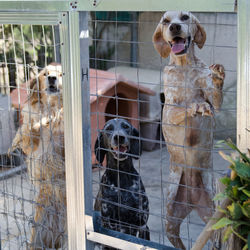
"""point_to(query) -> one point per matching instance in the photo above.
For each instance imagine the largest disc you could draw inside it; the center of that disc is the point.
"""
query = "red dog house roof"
(101, 81)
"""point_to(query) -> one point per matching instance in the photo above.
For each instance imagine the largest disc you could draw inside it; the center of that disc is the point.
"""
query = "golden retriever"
(193, 92)
(41, 138)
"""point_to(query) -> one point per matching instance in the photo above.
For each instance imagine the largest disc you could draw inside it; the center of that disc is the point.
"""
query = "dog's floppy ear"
(99, 145)
(161, 46)
(135, 144)
(200, 35)
(34, 88)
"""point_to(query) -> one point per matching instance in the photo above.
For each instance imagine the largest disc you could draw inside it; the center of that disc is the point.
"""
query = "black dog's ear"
(99, 151)
(135, 144)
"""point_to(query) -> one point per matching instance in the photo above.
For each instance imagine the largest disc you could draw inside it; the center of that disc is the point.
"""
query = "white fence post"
(243, 82)
(70, 48)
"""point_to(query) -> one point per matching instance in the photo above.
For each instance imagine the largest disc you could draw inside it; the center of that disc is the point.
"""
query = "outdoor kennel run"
(87, 159)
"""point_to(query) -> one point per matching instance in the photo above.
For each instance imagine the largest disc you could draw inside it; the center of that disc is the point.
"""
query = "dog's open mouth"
(180, 45)
(119, 152)
(52, 90)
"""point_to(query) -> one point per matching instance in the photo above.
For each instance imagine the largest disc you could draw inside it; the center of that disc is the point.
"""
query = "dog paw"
(44, 122)
(200, 108)
(36, 126)
(217, 71)
(205, 109)
(193, 109)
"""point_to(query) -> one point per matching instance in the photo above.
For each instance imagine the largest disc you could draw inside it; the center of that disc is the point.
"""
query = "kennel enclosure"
(72, 20)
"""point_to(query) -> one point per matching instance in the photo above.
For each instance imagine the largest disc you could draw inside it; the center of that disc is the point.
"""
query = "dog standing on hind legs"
(193, 92)
(41, 139)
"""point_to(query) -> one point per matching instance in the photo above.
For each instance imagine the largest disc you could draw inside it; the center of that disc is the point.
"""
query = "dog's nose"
(52, 79)
(119, 139)
(175, 27)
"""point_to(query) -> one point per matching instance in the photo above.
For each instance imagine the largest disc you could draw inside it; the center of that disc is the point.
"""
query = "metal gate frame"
(76, 90)
(72, 100)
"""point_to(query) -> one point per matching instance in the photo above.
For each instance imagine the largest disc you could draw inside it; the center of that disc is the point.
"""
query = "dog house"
(111, 95)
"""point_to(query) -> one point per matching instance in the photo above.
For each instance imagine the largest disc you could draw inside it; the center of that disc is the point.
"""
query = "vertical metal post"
(134, 39)
(84, 58)
(84, 48)
(72, 101)
(57, 41)
(243, 78)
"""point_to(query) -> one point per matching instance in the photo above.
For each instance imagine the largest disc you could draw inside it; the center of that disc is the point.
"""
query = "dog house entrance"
(117, 106)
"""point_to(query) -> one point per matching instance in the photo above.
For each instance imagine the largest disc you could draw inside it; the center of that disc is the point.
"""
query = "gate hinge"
(85, 73)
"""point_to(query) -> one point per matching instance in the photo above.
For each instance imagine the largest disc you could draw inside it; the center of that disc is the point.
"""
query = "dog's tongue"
(178, 46)
(122, 148)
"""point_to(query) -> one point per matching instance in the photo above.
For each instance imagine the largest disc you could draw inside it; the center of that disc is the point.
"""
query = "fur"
(41, 138)
(193, 92)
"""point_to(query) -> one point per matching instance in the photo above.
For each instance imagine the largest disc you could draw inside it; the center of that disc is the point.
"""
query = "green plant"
(236, 217)
(22, 47)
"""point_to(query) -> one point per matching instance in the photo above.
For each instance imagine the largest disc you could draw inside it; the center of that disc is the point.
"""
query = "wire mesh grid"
(32, 173)
(128, 81)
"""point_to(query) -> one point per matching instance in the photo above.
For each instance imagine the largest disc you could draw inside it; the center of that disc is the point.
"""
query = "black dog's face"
(117, 138)
(117, 134)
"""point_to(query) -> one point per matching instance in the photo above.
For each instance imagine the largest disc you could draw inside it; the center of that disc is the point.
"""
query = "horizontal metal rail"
(96, 233)
(120, 5)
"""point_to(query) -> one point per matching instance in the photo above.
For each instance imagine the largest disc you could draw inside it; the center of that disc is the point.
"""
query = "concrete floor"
(17, 208)
(16, 211)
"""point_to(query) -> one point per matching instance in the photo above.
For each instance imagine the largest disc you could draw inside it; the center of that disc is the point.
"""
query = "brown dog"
(41, 138)
(192, 93)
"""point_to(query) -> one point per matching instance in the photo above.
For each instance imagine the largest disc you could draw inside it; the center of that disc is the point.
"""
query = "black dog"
(121, 198)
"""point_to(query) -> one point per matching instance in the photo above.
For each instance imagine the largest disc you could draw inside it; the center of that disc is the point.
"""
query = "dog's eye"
(165, 21)
(110, 127)
(125, 126)
(184, 18)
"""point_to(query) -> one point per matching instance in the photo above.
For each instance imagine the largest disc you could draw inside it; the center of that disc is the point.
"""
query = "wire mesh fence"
(180, 163)
(33, 196)
(151, 174)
